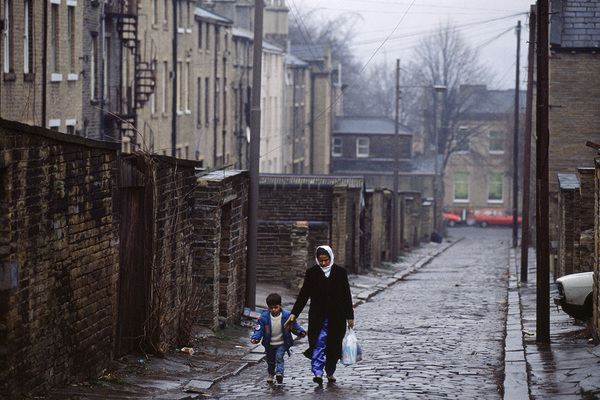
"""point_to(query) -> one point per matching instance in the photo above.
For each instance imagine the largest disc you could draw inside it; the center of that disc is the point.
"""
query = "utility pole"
(527, 146)
(515, 210)
(542, 130)
(396, 150)
(254, 157)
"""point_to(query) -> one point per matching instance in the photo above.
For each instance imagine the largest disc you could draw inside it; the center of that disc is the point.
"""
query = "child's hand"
(254, 341)
(302, 334)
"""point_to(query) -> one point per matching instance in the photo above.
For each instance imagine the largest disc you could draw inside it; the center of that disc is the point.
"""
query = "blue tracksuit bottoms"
(319, 360)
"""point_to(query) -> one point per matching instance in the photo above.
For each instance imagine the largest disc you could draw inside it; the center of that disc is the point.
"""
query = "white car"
(575, 294)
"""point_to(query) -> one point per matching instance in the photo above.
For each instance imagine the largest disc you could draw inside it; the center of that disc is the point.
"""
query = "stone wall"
(568, 225)
(59, 259)
(220, 223)
(324, 200)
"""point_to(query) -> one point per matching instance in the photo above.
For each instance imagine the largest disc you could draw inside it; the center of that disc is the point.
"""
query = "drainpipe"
(45, 64)
(174, 105)
(312, 122)
(215, 105)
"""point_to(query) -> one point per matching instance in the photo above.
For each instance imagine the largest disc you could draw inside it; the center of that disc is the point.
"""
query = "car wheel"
(483, 224)
(451, 223)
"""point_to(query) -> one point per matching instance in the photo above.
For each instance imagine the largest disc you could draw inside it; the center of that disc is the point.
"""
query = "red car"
(494, 216)
(452, 219)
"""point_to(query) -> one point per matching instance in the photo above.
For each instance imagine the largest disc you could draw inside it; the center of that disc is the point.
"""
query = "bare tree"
(444, 59)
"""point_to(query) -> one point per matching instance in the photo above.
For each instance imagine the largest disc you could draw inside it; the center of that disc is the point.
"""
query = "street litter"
(527, 332)
(187, 350)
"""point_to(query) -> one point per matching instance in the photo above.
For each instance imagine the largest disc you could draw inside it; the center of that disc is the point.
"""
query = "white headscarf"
(327, 269)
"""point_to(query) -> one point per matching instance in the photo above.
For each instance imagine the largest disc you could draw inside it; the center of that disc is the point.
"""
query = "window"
(163, 94)
(199, 34)
(27, 38)
(71, 38)
(179, 99)
(216, 39)
(199, 100)
(224, 100)
(165, 12)
(336, 147)
(217, 95)
(7, 37)
(186, 87)
(93, 65)
(461, 187)
(495, 189)
(496, 142)
(182, 17)
(206, 100)
(362, 147)
(154, 11)
(54, 39)
(462, 141)
(105, 65)
(153, 95)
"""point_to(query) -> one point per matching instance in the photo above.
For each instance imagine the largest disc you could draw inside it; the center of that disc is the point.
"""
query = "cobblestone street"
(437, 334)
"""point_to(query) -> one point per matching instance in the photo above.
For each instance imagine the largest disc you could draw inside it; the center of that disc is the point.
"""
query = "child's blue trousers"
(275, 359)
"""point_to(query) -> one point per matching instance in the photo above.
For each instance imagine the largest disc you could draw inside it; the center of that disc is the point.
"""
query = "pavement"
(567, 368)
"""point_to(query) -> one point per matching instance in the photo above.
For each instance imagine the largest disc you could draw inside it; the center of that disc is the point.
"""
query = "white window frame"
(337, 144)
(468, 141)
(455, 182)
(54, 40)
(178, 99)
(93, 61)
(6, 36)
(71, 37)
(363, 145)
(490, 182)
(186, 88)
(26, 49)
(490, 142)
(163, 93)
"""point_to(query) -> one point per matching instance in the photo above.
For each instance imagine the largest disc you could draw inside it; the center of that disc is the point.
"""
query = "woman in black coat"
(326, 284)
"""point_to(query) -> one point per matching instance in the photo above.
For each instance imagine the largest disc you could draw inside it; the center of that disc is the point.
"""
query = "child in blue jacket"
(274, 337)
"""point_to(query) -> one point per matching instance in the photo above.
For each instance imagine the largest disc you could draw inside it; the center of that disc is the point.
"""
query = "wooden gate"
(135, 263)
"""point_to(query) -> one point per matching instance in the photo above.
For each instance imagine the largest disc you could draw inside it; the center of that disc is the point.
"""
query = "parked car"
(451, 219)
(575, 294)
(494, 216)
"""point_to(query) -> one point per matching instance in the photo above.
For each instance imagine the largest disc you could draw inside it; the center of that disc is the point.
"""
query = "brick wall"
(568, 225)
(60, 310)
(173, 298)
(220, 223)
(574, 117)
(337, 205)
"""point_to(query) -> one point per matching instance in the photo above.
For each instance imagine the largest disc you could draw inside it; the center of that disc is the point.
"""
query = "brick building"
(574, 91)
(478, 173)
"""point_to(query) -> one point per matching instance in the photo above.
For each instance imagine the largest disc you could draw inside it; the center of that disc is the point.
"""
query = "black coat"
(329, 298)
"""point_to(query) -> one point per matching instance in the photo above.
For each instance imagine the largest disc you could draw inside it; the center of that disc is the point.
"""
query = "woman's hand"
(289, 324)
(350, 323)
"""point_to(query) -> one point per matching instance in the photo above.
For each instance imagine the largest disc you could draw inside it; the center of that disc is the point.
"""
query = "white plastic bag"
(351, 351)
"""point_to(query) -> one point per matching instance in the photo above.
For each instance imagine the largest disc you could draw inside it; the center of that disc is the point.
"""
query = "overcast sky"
(388, 29)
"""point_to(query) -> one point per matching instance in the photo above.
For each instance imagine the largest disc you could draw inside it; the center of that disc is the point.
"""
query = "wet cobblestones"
(437, 334)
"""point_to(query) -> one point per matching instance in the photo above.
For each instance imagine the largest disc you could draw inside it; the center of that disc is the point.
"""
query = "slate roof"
(484, 101)
(575, 24)
(209, 16)
(306, 52)
(240, 32)
(568, 181)
(367, 125)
